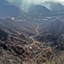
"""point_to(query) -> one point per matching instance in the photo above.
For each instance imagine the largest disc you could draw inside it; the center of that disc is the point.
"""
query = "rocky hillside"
(14, 49)
(53, 35)
(13, 39)
(15, 46)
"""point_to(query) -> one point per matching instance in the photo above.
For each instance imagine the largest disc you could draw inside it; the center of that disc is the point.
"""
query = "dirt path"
(37, 33)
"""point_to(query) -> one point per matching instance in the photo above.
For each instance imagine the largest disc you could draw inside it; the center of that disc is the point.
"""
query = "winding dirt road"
(37, 33)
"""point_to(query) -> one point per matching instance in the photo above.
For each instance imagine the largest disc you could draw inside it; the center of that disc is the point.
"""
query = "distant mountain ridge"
(4, 2)
(47, 8)
(54, 6)
(38, 9)
(7, 9)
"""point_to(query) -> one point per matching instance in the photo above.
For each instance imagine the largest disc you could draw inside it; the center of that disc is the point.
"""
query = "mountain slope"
(3, 2)
(38, 9)
(54, 6)
(56, 27)
(53, 35)
(13, 26)
(13, 39)
(7, 9)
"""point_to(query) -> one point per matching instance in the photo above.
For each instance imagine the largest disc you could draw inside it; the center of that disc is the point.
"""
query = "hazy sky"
(24, 4)
(35, 1)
